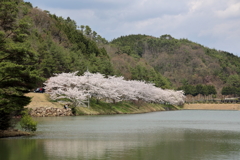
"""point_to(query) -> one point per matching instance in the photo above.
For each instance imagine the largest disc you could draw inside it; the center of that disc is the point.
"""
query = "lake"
(169, 135)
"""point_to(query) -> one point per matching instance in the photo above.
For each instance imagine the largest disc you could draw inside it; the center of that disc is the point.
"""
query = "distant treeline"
(210, 90)
(204, 90)
(230, 90)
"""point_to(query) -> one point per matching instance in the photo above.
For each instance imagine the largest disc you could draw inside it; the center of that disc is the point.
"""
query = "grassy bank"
(100, 107)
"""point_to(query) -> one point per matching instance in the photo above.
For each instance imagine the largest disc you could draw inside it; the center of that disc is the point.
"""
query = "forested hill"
(56, 43)
(182, 61)
(59, 45)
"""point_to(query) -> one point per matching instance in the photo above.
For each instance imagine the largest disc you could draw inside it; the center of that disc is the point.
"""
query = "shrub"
(74, 110)
(28, 124)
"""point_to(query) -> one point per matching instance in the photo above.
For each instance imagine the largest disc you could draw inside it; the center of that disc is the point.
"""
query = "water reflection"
(181, 144)
(21, 149)
(164, 135)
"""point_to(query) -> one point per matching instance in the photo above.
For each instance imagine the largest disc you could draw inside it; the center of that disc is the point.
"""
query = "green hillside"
(180, 60)
(59, 45)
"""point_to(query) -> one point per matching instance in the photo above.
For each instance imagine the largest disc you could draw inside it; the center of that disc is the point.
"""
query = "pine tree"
(17, 74)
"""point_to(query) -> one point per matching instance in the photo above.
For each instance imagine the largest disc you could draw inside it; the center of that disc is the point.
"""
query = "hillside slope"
(59, 45)
(181, 61)
(56, 44)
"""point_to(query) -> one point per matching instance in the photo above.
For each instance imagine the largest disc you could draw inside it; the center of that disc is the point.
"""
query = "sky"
(212, 23)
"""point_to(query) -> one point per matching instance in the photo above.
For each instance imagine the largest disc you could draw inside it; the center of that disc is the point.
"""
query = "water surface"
(182, 135)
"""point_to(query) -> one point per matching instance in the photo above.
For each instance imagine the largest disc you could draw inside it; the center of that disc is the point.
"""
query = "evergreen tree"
(17, 74)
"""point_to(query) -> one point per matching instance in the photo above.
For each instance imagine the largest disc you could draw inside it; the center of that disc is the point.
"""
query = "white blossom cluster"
(80, 88)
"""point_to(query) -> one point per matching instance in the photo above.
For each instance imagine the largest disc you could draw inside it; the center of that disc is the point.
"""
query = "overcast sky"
(212, 23)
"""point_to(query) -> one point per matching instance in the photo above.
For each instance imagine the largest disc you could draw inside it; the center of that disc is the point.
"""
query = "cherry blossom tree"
(79, 88)
(66, 85)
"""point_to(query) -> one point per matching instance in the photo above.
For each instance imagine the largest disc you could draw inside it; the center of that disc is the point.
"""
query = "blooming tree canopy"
(80, 88)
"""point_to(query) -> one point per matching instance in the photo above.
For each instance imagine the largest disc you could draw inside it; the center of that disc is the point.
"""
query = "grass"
(125, 107)
(100, 107)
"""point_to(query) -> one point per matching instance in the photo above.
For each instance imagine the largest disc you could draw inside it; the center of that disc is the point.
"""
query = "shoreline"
(13, 133)
(201, 106)
(41, 106)
(42, 100)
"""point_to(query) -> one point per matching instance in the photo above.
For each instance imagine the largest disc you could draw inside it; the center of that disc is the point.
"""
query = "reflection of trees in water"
(84, 149)
(21, 149)
(115, 146)
(166, 143)
(5, 150)
(177, 144)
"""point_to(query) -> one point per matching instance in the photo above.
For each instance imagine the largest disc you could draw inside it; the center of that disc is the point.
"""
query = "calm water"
(173, 135)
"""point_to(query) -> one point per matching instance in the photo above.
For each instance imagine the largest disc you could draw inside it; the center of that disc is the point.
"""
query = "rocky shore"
(50, 112)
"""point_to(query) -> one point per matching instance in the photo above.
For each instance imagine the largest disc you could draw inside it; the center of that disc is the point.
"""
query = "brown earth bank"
(41, 100)
(212, 106)
(13, 133)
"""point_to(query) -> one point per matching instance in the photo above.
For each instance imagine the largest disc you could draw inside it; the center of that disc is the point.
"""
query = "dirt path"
(212, 106)
(41, 100)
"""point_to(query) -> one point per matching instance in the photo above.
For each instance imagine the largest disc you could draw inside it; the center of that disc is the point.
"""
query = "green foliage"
(232, 86)
(230, 90)
(29, 4)
(131, 45)
(17, 74)
(102, 107)
(140, 72)
(137, 44)
(181, 59)
(227, 61)
(74, 110)
(134, 45)
(234, 81)
(5, 120)
(8, 14)
(27, 123)
(61, 47)
(199, 89)
(227, 91)
(189, 90)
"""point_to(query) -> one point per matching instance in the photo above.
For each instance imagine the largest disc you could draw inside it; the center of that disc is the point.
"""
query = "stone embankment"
(50, 112)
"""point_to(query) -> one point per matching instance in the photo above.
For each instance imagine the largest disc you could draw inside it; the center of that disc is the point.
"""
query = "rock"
(50, 111)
